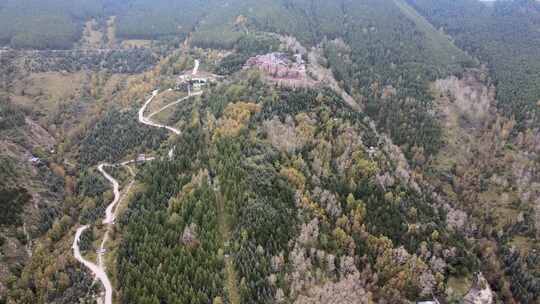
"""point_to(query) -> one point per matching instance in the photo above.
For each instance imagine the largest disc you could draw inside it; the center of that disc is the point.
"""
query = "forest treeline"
(54, 24)
(134, 60)
(58, 24)
(503, 35)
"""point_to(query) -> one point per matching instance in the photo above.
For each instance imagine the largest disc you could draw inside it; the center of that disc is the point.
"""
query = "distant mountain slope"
(44, 24)
(140, 19)
(504, 35)
(311, 21)
(58, 24)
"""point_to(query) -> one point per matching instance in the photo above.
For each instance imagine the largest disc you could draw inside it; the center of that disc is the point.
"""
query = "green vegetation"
(54, 24)
(58, 24)
(278, 194)
(402, 53)
(281, 166)
(178, 229)
(11, 117)
(247, 46)
(503, 35)
(155, 19)
(261, 204)
(115, 135)
(383, 44)
(12, 202)
(12, 121)
(523, 270)
(114, 61)
(8, 171)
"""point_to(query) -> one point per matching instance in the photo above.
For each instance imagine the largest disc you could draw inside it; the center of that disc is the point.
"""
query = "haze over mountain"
(269, 151)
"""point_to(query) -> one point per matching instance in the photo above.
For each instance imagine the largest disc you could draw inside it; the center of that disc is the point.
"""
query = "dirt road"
(99, 270)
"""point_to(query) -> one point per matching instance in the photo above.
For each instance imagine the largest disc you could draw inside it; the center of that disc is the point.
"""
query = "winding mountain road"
(110, 212)
(110, 215)
(174, 103)
(99, 272)
(147, 121)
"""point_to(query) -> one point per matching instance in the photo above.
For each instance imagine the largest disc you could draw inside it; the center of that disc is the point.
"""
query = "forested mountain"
(269, 151)
(505, 36)
(44, 24)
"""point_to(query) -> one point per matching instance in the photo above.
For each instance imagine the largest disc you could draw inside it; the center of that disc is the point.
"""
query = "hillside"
(269, 151)
(30, 192)
(398, 47)
(494, 114)
(504, 36)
